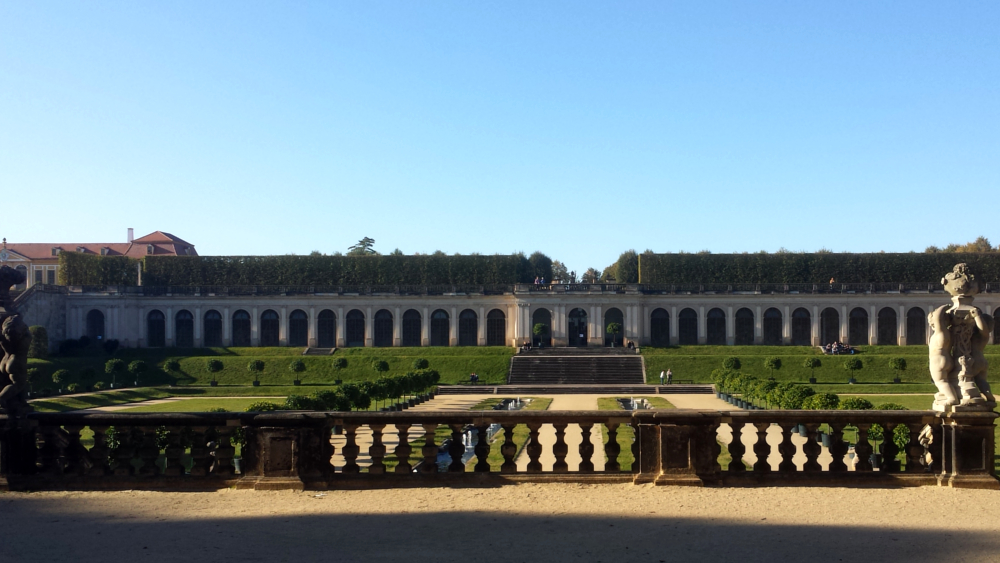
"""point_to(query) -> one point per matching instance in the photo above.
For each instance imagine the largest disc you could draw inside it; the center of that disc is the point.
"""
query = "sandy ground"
(528, 522)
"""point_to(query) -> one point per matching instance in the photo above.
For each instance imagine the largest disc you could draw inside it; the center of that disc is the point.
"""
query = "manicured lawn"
(911, 402)
(197, 405)
(110, 398)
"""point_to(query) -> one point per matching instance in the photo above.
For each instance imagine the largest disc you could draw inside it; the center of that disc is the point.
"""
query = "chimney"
(130, 234)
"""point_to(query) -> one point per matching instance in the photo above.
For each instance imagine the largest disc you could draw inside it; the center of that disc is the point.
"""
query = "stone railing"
(359, 449)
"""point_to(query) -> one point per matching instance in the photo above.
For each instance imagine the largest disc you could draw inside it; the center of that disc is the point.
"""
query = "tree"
(732, 362)
(822, 402)
(592, 275)
(897, 365)
(380, 366)
(540, 330)
(113, 367)
(560, 272)
(39, 347)
(614, 329)
(396, 252)
(541, 266)
(137, 368)
(772, 363)
(852, 365)
(364, 247)
(812, 364)
(256, 367)
(419, 363)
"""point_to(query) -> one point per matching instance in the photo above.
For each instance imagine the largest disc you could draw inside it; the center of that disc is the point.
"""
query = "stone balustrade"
(319, 450)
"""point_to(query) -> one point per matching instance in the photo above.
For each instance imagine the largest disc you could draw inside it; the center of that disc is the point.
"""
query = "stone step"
(589, 369)
(610, 390)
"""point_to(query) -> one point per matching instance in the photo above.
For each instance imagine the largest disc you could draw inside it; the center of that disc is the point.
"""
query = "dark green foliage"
(420, 363)
(811, 268)
(297, 366)
(898, 364)
(855, 404)
(822, 402)
(98, 385)
(792, 396)
(262, 406)
(39, 342)
(76, 268)
(380, 366)
(626, 269)
(84, 341)
(114, 365)
(340, 363)
(35, 376)
(171, 365)
(900, 434)
(110, 346)
(811, 364)
(540, 329)
(137, 367)
(614, 328)
(88, 373)
(732, 362)
(73, 387)
(890, 407)
(852, 365)
(255, 366)
(215, 366)
(60, 375)
(772, 363)
(541, 267)
(218, 409)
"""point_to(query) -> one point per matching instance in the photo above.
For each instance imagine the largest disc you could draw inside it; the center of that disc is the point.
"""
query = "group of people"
(837, 348)
(539, 280)
(527, 346)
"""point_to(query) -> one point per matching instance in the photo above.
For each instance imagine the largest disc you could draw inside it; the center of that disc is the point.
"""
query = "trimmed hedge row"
(812, 268)
(85, 269)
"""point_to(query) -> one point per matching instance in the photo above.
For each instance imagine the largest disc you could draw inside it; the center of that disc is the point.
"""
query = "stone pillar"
(758, 328)
(815, 330)
(481, 325)
(254, 327)
(598, 327)
(702, 326)
(283, 327)
(674, 327)
(968, 443)
(901, 327)
(646, 327)
(397, 329)
(198, 321)
(227, 328)
(453, 328)
(169, 322)
(341, 328)
(730, 327)
(786, 327)
(425, 328)
(873, 326)
(844, 332)
(629, 333)
(313, 328)
(369, 328)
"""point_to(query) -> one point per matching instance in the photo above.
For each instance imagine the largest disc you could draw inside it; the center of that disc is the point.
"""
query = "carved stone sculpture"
(15, 339)
(961, 332)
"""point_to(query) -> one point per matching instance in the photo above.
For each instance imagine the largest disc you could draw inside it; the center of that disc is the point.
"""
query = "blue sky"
(581, 129)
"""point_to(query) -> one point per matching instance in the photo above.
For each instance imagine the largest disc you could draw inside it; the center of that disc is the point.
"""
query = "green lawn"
(197, 405)
(107, 399)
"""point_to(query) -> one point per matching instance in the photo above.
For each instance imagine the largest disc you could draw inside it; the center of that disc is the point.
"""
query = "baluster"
(456, 449)
(350, 450)
(430, 450)
(200, 459)
(508, 449)
(148, 452)
(560, 449)
(914, 451)
(863, 450)
(786, 448)
(612, 449)
(838, 447)
(98, 454)
(889, 449)
(635, 447)
(173, 453)
(224, 452)
(124, 452)
(762, 449)
(482, 448)
(534, 448)
(737, 448)
(403, 449)
(812, 449)
(74, 453)
(48, 453)
(377, 450)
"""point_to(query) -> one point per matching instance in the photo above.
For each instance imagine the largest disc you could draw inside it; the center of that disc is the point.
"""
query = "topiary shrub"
(35, 376)
(217, 409)
(852, 365)
(172, 365)
(215, 366)
(811, 364)
(420, 363)
(110, 346)
(60, 375)
(855, 404)
(900, 434)
(255, 366)
(897, 365)
(114, 366)
(821, 402)
(98, 385)
(340, 363)
(380, 366)
(263, 406)
(792, 396)
(772, 363)
(73, 387)
(301, 403)
(137, 368)
(732, 362)
(39, 342)
(297, 366)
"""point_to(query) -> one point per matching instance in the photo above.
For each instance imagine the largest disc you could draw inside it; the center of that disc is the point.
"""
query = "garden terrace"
(671, 447)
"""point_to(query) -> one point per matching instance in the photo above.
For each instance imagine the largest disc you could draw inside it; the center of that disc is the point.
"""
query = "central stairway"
(577, 366)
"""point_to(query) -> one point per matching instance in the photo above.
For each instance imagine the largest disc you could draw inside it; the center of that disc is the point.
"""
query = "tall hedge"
(812, 268)
(81, 269)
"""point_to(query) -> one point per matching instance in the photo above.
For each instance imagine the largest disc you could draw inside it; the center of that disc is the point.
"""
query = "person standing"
(662, 375)
(670, 376)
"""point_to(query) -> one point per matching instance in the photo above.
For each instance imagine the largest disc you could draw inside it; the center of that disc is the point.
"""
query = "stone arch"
(412, 327)
(241, 328)
(916, 326)
(857, 327)
(298, 328)
(578, 328)
(468, 328)
(496, 328)
(156, 329)
(744, 326)
(355, 328)
(326, 329)
(95, 325)
(716, 327)
(184, 329)
(801, 327)
(829, 326)
(659, 327)
(687, 326)
(383, 328)
(544, 317)
(212, 328)
(614, 315)
(887, 327)
(440, 328)
(772, 322)
(270, 325)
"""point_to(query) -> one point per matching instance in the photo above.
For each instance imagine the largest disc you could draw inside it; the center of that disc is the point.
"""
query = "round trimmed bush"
(822, 402)
(732, 362)
(262, 406)
(137, 368)
(340, 363)
(855, 404)
(114, 365)
(255, 366)
(98, 385)
(215, 366)
(380, 366)
(73, 387)
(171, 365)
(60, 375)
(420, 363)
(297, 366)
(217, 409)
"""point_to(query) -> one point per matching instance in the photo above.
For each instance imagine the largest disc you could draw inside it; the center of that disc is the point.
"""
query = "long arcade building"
(573, 315)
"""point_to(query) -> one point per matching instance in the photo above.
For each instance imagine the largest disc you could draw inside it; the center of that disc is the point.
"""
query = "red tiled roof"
(164, 244)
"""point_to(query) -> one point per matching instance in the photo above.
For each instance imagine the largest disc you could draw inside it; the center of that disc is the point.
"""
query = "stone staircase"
(577, 366)
(318, 351)
(609, 390)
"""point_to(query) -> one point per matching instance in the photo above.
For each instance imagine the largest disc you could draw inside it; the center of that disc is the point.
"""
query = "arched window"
(744, 327)
(541, 317)
(383, 328)
(269, 327)
(156, 329)
(687, 326)
(888, 329)
(355, 328)
(412, 328)
(184, 329)
(298, 328)
(829, 325)
(801, 327)
(496, 328)
(440, 328)
(857, 327)
(212, 325)
(772, 327)
(326, 329)
(659, 327)
(241, 328)
(23, 270)
(716, 329)
(577, 327)
(95, 325)
(614, 315)
(468, 328)
(916, 326)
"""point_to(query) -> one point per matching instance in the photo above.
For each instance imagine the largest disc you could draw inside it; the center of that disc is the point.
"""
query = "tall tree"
(365, 246)
(560, 272)
(541, 265)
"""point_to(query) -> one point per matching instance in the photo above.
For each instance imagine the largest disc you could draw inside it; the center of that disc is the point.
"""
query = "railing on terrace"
(359, 449)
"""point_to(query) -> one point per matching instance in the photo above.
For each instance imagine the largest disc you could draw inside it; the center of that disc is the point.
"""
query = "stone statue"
(961, 332)
(15, 339)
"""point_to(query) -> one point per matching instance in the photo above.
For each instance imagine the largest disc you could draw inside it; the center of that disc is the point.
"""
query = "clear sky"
(581, 129)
